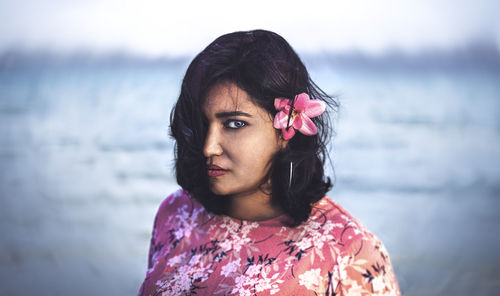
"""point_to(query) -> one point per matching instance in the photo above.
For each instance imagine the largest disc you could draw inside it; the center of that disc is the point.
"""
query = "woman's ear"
(283, 143)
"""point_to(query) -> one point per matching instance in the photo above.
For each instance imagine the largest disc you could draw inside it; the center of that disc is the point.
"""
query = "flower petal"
(307, 128)
(297, 123)
(281, 103)
(301, 102)
(281, 120)
(288, 134)
(315, 108)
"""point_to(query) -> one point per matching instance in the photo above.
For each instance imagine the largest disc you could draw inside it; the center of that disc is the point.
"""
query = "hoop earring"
(291, 174)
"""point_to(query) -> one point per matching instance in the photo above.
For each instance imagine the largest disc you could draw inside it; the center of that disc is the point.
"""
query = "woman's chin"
(217, 190)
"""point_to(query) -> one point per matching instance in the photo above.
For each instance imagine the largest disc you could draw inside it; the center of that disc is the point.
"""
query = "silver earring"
(291, 174)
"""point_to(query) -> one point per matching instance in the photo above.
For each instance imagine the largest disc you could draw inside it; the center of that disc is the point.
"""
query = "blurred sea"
(86, 159)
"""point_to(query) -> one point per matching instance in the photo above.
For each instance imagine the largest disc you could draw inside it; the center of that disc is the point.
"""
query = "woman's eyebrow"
(231, 113)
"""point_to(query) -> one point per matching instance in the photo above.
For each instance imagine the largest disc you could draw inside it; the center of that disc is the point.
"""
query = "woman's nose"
(212, 144)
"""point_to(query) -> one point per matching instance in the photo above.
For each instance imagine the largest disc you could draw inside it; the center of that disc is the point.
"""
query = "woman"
(252, 217)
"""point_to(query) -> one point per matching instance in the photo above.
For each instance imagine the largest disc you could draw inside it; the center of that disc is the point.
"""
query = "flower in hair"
(297, 114)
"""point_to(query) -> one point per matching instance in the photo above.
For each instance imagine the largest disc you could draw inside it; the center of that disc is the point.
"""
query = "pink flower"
(303, 110)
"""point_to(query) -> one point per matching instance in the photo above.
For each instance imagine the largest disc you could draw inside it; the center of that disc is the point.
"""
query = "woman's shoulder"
(361, 259)
(349, 235)
(329, 210)
(179, 200)
(180, 196)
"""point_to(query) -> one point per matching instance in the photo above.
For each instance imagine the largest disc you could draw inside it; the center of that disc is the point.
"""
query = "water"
(86, 159)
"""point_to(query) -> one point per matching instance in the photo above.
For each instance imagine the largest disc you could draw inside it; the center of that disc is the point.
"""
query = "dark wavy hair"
(263, 64)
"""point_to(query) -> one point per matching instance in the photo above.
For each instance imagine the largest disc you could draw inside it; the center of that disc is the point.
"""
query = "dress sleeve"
(364, 268)
(152, 244)
(152, 250)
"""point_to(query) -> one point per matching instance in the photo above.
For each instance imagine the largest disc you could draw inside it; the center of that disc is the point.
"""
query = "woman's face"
(240, 141)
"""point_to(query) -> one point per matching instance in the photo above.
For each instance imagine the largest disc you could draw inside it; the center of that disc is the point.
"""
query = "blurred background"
(86, 89)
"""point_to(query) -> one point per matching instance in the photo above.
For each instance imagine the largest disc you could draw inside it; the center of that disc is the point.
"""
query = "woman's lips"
(214, 171)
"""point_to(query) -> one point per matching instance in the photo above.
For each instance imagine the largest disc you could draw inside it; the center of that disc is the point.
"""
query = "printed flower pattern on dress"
(233, 235)
(312, 280)
(196, 253)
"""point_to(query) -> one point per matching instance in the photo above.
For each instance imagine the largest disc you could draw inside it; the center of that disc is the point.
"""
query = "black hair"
(263, 64)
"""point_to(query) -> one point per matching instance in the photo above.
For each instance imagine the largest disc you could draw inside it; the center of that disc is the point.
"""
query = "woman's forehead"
(228, 97)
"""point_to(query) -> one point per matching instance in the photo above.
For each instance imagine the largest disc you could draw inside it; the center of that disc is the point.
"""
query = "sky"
(161, 27)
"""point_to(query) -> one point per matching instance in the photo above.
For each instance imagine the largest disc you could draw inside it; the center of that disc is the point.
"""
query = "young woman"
(252, 217)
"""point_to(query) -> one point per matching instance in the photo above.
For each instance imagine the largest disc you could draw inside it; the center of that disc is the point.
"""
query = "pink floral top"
(194, 252)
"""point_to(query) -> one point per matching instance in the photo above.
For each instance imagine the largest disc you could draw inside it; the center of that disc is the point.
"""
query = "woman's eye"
(234, 124)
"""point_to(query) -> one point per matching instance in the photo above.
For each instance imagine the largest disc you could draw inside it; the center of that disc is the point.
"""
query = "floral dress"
(194, 252)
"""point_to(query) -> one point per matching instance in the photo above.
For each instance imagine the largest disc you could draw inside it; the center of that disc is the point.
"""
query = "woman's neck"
(256, 207)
